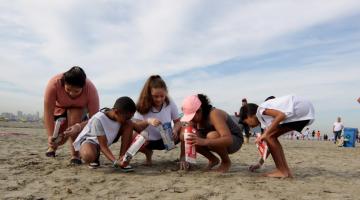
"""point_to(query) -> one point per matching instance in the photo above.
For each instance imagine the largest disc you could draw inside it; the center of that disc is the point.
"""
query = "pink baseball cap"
(189, 107)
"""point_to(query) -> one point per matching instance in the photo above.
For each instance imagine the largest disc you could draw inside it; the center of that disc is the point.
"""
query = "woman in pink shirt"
(72, 96)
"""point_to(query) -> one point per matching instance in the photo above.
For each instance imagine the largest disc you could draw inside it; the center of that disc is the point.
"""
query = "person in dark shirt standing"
(246, 128)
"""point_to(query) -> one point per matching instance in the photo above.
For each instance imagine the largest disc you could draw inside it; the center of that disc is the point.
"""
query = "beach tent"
(350, 137)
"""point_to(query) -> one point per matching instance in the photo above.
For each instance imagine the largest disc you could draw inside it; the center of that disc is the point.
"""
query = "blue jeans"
(337, 135)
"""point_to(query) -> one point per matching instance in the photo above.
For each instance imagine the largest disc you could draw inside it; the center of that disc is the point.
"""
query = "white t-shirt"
(166, 115)
(109, 128)
(295, 108)
(306, 132)
(338, 126)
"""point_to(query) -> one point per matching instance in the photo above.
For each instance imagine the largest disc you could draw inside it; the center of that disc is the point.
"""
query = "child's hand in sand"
(72, 130)
(122, 163)
(254, 167)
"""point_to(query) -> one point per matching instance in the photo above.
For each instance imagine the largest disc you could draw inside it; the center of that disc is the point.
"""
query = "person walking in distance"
(244, 126)
(337, 129)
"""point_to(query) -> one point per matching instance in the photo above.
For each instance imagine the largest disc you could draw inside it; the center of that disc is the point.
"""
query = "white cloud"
(118, 42)
(161, 36)
(331, 88)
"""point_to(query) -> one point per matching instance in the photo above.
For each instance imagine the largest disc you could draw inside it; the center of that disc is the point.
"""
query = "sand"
(321, 170)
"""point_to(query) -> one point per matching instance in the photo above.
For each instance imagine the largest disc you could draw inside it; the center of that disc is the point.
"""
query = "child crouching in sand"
(216, 132)
(104, 129)
(156, 109)
(278, 116)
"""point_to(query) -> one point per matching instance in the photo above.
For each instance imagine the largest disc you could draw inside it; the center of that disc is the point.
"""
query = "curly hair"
(205, 105)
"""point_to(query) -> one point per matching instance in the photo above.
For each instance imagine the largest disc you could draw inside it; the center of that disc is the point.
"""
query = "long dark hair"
(145, 100)
(248, 110)
(75, 76)
(206, 106)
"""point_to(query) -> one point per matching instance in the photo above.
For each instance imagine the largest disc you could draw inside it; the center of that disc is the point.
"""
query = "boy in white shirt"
(103, 129)
(278, 116)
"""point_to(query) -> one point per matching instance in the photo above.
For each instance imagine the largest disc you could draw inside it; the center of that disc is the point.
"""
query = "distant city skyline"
(20, 116)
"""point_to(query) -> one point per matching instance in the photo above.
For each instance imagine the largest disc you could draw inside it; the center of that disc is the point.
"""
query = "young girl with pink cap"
(216, 132)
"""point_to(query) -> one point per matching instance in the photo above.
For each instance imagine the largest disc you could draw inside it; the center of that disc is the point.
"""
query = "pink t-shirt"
(57, 100)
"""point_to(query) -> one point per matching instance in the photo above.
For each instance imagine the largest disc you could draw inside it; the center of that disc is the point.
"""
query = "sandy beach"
(321, 170)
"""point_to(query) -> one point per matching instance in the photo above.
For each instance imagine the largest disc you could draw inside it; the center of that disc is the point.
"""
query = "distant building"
(5, 116)
(8, 116)
(19, 115)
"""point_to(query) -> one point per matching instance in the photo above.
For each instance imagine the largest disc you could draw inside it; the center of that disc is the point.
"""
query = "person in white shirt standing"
(306, 134)
(337, 129)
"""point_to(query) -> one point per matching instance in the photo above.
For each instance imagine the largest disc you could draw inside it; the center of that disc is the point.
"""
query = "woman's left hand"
(153, 122)
(196, 140)
(72, 130)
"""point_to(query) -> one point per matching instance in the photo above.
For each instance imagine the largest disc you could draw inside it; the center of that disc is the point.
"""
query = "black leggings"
(295, 126)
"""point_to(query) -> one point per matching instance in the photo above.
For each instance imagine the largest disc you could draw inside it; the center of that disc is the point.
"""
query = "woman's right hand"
(153, 122)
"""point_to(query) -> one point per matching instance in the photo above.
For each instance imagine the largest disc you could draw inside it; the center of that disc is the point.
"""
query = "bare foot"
(224, 167)
(147, 163)
(278, 174)
(148, 155)
(211, 164)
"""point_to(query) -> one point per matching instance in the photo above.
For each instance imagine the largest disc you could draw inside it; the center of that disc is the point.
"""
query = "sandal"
(127, 169)
(75, 161)
(95, 164)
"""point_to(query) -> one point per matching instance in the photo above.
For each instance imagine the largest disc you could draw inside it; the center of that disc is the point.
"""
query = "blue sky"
(227, 50)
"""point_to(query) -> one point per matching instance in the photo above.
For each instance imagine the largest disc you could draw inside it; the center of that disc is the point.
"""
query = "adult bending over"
(73, 96)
